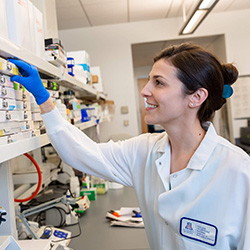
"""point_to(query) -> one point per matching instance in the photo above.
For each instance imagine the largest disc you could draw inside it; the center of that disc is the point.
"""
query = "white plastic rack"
(12, 150)
(18, 148)
(9, 49)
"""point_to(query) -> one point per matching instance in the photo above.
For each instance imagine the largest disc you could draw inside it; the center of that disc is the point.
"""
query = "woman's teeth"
(147, 105)
(151, 106)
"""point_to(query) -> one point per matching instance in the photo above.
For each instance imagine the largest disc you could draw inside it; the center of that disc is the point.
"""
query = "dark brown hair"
(199, 68)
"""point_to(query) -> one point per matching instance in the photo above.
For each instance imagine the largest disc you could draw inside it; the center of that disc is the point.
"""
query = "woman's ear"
(198, 97)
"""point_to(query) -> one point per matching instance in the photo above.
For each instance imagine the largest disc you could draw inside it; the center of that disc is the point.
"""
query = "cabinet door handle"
(2, 79)
(4, 91)
(10, 140)
(5, 104)
(9, 66)
(8, 116)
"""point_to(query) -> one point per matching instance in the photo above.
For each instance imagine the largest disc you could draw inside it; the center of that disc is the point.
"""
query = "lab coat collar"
(162, 143)
(203, 152)
(205, 149)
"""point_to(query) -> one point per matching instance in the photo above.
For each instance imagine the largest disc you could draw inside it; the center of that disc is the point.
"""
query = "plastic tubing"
(39, 180)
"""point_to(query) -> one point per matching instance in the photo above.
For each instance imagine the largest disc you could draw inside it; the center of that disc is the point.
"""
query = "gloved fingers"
(19, 79)
(22, 66)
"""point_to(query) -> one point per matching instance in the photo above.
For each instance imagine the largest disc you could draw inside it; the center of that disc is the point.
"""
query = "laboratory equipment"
(71, 217)
(55, 52)
(70, 65)
(245, 134)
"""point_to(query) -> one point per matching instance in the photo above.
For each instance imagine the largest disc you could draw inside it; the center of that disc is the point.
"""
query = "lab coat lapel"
(173, 204)
(153, 185)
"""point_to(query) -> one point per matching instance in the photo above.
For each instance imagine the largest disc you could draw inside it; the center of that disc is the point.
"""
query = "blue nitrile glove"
(31, 80)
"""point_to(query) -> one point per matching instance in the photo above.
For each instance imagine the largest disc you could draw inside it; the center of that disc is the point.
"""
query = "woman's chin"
(149, 121)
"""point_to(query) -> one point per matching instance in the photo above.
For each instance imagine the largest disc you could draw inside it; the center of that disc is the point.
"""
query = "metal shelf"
(9, 49)
(83, 90)
(85, 125)
(18, 148)
(101, 96)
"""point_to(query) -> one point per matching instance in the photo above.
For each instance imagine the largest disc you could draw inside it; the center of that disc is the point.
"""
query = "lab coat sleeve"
(79, 151)
(244, 243)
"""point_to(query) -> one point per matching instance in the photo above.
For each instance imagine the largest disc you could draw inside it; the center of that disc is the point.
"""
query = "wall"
(140, 72)
(110, 48)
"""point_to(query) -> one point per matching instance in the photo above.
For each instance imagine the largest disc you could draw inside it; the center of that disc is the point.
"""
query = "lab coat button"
(166, 223)
(159, 162)
(175, 175)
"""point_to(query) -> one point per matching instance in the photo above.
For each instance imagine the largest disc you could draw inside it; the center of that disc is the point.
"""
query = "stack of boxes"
(96, 78)
(73, 106)
(55, 53)
(15, 107)
(81, 69)
(22, 23)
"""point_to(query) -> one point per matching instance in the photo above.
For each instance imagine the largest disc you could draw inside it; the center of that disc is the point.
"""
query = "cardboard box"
(3, 20)
(39, 33)
(6, 92)
(5, 81)
(81, 58)
(94, 78)
(32, 27)
(4, 140)
(91, 193)
(8, 104)
(7, 68)
(96, 71)
(18, 22)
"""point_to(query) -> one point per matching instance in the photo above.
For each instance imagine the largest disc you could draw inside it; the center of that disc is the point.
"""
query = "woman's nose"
(146, 90)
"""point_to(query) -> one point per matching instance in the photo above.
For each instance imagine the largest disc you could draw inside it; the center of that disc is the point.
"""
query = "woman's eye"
(158, 82)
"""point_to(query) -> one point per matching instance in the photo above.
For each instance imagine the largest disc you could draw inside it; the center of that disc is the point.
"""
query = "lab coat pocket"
(189, 244)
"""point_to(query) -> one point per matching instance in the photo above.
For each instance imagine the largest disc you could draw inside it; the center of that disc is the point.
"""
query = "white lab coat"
(211, 195)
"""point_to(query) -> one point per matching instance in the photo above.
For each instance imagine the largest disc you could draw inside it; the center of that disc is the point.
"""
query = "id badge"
(199, 231)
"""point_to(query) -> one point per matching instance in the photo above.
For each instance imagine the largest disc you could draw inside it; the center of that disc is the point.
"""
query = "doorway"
(141, 82)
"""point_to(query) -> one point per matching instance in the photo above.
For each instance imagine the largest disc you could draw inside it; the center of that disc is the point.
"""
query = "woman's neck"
(184, 140)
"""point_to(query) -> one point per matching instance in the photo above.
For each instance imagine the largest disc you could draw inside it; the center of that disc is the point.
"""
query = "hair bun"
(230, 73)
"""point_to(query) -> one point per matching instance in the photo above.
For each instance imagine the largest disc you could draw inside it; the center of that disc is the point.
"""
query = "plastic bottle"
(62, 108)
(68, 220)
(75, 186)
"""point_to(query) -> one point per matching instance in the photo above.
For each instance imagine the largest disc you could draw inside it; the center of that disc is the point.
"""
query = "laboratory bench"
(97, 234)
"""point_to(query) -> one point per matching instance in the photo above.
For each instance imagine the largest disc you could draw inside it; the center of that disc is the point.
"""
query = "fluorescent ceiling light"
(206, 4)
(196, 18)
(198, 15)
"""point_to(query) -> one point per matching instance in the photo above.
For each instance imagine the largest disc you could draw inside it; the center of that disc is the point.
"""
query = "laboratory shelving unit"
(12, 150)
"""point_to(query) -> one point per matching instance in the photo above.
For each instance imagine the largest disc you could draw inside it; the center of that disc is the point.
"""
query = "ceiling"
(144, 53)
(88, 13)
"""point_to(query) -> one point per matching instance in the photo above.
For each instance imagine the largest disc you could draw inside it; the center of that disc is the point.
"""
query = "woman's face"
(165, 101)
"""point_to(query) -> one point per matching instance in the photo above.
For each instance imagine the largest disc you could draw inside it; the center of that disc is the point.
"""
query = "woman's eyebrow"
(156, 76)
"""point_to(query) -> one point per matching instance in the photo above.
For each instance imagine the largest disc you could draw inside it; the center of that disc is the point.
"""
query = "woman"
(193, 186)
